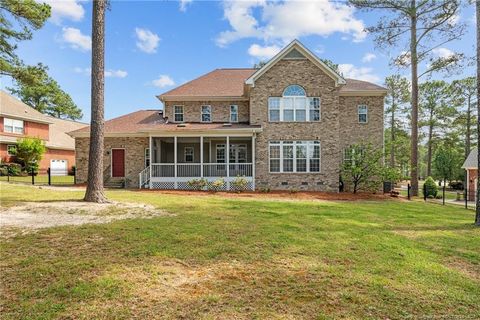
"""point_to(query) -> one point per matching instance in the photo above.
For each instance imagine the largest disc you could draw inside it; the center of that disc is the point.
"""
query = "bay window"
(294, 156)
(294, 105)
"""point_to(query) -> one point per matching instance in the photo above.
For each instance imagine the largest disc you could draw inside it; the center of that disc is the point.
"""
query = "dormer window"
(294, 106)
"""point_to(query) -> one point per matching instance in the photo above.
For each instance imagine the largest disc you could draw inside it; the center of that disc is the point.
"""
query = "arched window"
(294, 91)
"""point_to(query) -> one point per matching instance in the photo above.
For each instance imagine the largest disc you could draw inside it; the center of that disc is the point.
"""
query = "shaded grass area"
(222, 258)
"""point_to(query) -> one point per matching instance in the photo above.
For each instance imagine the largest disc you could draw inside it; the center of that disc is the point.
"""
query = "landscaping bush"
(430, 190)
(197, 184)
(216, 185)
(12, 169)
(456, 185)
(239, 184)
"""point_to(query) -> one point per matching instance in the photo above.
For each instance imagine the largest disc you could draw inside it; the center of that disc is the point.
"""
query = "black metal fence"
(47, 176)
(445, 195)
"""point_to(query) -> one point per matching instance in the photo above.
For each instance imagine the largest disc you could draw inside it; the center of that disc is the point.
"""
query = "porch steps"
(114, 183)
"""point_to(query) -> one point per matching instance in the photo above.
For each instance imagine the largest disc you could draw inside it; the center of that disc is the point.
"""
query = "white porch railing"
(194, 170)
(144, 177)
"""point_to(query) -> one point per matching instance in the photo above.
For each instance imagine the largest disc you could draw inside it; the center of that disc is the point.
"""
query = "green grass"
(220, 257)
(40, 179)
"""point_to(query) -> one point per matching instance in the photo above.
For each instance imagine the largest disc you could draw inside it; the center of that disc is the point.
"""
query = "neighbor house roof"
(222, 83)
(58, 133)
(57, 128)
(145, 121)
(14, 108)
(472, 160)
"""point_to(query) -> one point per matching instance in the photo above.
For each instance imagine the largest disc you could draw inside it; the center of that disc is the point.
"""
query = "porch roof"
(144, 122)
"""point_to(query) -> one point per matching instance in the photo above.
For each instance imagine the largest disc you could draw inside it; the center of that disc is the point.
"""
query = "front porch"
(173, 161)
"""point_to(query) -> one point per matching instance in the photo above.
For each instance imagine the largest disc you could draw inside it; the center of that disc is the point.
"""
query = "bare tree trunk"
(392, 135)
(430, 146)
(414, 138)
(477, 216)
(469, 127)
(95, 192)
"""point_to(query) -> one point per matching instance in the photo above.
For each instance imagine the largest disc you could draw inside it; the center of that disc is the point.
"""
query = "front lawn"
(221, 257)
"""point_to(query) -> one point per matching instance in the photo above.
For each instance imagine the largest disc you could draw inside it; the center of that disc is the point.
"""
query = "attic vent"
(294, 54)
(181, 125)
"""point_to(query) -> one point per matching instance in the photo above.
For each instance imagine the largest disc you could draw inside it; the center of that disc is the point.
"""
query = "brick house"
(283, 126)
(471, 167)
(18, 120)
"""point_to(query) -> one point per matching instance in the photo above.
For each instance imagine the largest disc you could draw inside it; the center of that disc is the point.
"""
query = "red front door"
(118, 163)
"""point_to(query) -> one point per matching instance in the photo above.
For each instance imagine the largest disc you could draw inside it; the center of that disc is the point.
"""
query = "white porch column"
(253, 161)
(227, 156)
(201, 156)
(175, 160)
(150, 153)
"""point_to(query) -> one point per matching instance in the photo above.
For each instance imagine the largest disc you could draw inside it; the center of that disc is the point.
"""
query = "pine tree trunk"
(469, 125)
(414, 138)
(477, 216)
(392, 135)
(95, 192)
(430, 146)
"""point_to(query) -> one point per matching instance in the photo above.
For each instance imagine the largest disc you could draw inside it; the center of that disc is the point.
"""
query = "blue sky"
(153, 46)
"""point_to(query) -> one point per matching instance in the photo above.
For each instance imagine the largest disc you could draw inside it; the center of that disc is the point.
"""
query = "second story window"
(294, 106)
(12, 125)
(362, 114)
(206, 114)
(178, 113)
(233, 113)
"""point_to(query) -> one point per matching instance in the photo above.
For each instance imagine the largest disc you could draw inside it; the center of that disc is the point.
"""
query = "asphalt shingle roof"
(471, 161)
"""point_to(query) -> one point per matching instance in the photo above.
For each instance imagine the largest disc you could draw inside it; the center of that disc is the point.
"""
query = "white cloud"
(263, 52)
(163, 81)
(443, 52)
(362, 73)
(184, 4)
(65, 9)
(368, 57)
(147, 41)
(108, 73)
(76, 39)
(116, 73)
(287, 20)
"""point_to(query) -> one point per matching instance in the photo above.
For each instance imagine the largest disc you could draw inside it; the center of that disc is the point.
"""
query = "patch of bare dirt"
(37, 215)
(285, 195)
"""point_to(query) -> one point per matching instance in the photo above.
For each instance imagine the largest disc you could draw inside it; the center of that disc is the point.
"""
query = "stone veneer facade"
(337, 129)
(134, 157)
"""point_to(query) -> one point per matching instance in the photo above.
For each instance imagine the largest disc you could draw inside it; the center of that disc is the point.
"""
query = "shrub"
(30, 151)
(12, 169)
(456, 185)
(239, 184)
(217, 185)
(197, 184)
(430, 189)
(265, 189)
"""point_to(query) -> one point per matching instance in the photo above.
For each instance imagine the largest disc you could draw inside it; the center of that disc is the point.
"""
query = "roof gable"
(296, 50)
(471, 162)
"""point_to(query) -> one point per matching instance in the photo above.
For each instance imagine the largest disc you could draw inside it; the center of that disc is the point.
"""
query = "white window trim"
(231, 113)
(14, 125)
(294, 143)
(185, 154)
(8, 146)
(175, 113)
(365, 113)
(294, 98)
(210, 113)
